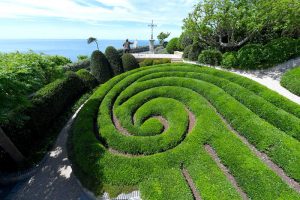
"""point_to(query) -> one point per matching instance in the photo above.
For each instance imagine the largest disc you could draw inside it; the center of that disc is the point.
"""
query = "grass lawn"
(291, 80)
(143, 128)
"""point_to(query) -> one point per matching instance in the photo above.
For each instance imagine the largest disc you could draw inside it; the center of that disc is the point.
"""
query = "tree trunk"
(10, 148)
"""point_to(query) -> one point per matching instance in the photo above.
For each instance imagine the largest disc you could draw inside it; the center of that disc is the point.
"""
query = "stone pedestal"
(151, 46)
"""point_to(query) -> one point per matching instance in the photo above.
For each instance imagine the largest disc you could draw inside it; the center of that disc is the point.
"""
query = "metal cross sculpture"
(152, 25)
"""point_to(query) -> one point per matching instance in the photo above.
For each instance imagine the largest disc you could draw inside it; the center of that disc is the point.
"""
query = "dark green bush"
(172, 45)
(89, 81)
(51, 100)
(82, 64)
(114, 59)
(251, 56)
(100, 67)
(280, 50)
(184, 41)
(129, 62)
(194, 52)
(229, 60)
(211, 57)
(186, 51)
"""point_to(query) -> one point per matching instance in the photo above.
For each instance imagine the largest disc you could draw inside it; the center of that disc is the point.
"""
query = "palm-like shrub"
(100, 67)
(114, 59)
(129, 62)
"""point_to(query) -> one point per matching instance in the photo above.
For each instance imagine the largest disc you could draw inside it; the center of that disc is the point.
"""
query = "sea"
(69, 48)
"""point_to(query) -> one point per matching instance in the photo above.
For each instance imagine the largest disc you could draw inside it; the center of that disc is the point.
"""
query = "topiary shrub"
(49, 102)
(89, 81)
(186, 51)
(211, 57)
(100, 67)
(251, 56)
(229, 59)
(194, 52)
(172, 45)
(129, 62)
(114, 59)
(280, 50)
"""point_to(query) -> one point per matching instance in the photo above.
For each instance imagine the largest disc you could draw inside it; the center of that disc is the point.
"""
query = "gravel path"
(54, 180)
(268, 77)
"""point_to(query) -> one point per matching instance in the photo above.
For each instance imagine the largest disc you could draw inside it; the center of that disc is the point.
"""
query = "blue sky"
(79, 19)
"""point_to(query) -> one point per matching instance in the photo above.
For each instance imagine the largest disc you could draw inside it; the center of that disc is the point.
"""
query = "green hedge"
(229, 59)
(100, 67)
(151, 162)
(114, 59)
(49, 102)
(129, 62)
(291, 80)
(89, 81)
(150, 62)
(172, 45)
(211, 57)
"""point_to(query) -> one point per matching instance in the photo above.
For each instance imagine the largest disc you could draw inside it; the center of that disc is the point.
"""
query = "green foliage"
(89, 81)
(231, 24)
(172, 45)
(291, 80)
(211, 57)
(229, 60)
(186, 51)
(21, 74)
(280, 50)
(129, 62)
(114, 59)
(184, 41)
(49, 102)
(82, 57)
(251, 56)
(100, 67)
(267, 120)
(194, 52)
(162, 36)
(149, 62)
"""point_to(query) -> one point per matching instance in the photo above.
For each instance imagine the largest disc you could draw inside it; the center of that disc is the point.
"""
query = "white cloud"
(105, 16)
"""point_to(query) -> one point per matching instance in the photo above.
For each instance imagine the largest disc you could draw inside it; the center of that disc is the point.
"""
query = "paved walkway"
(177, 56)
(54, 180)
(268, 77)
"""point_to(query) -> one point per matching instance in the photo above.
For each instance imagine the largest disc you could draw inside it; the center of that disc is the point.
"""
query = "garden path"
(267, 77)
(54, 179)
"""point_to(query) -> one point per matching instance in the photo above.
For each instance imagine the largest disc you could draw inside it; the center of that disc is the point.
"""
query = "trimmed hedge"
(149, 62)
(89, 81)
(172, 45)
(114, 59)
(229, 59)
(251, 56)
(49, 102)
(152, 162)
(129, 62)
(100, 67)
(291, 80)
(211, 57)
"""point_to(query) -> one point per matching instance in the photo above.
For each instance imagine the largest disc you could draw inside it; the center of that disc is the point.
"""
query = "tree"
(10, 148)
(162, 36)
(91, 40)
(229, 24)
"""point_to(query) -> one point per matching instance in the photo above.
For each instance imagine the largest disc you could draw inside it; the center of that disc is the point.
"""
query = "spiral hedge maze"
(181, 131)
